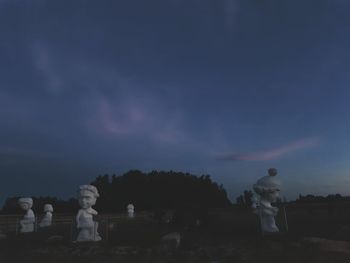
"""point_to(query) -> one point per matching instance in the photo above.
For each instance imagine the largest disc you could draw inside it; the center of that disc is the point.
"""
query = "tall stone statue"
(47, 219)
(27, 223)
(131, 210)
(87, 227)
(267, 189)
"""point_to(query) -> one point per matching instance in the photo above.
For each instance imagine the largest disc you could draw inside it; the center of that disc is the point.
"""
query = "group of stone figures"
(85, 223)
(267, 189)
(27, 223)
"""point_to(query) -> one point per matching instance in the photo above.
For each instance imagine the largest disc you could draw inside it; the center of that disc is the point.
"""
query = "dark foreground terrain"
(239, 250)
(228, 236)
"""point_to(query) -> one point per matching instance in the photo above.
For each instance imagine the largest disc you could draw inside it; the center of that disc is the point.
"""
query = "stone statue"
(87, 227)
(47, 219)
(27, 223)
(267, 189)
(131, 210)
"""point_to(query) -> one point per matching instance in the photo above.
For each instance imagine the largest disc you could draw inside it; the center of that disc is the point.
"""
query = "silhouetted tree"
(245, 200)
(158, 190)
(240, 201)
(248, 196)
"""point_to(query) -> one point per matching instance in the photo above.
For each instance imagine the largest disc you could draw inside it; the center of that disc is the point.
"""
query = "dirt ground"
(229, 236)
(240, 250)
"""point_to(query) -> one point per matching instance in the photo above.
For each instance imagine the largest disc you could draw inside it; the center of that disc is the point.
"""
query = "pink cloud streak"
(133, 118)
(275, 153)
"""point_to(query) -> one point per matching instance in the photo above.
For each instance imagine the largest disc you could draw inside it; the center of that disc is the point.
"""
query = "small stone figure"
(27, 223)
(47, 219)
(87, 227)
(267, 188)
(131, 210)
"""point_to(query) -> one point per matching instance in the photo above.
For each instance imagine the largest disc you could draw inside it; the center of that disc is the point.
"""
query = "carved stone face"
(87, 199)
(272, 171)
(272, 196)
(24, 206)
(48, 208)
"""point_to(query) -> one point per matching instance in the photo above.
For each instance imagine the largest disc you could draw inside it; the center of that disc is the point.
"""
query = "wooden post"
(285, 218)
(260, 219)
(17, 226)
(71, 230)
(107, 228)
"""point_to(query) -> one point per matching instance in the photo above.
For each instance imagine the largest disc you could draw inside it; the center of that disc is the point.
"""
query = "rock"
(171, 240)
(54, 239)
(342, 234)
(329, 245)
(122, 250)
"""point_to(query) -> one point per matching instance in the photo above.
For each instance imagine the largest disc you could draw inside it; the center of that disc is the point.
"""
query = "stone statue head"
(272, 171)
(268, 187)
(48, 208)
(87, 196)
(25, 203)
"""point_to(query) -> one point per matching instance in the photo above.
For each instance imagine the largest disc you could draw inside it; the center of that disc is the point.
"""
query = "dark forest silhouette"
(245, 199)
(158, 191)
(303, 199)
(147, 191)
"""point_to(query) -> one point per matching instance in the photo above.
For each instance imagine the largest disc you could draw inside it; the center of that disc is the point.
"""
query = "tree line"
(147, 191)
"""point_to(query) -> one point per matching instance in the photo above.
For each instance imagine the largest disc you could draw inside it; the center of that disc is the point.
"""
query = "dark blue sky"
(226, 87)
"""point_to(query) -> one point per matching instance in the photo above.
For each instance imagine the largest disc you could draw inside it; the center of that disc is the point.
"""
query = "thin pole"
(260, 219)
(107, 228)
(285, 218)
(71, 230)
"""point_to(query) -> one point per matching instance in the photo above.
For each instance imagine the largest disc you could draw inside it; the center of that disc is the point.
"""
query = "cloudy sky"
(226, 87)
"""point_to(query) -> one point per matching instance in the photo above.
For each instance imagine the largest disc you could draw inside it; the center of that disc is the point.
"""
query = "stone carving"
(47, 219)
(27, 223)
(131, 210)
(171, 240)
(87, 226)
(267, 189)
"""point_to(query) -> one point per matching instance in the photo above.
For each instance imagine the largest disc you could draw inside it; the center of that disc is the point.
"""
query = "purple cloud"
(274, 153)
(132, 117)
(43, 62)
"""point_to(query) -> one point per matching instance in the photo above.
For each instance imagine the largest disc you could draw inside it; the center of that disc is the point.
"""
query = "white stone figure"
(131, 210)
(267, 188)
(47, 219)
(87, 227)
(28, 221)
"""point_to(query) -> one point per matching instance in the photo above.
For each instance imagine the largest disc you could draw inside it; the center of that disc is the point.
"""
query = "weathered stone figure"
(267, 188)
(131, 210)
(27, 223)
(87, 227)
(47, 219)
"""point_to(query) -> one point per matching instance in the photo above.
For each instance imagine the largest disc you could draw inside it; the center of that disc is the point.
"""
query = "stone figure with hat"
(27, 223)
(267, 189)
(47, 219)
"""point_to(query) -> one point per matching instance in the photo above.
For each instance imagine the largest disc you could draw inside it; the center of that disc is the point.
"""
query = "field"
(316, 233)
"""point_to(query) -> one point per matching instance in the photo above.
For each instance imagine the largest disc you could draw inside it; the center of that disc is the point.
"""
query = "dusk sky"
(221, 87)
